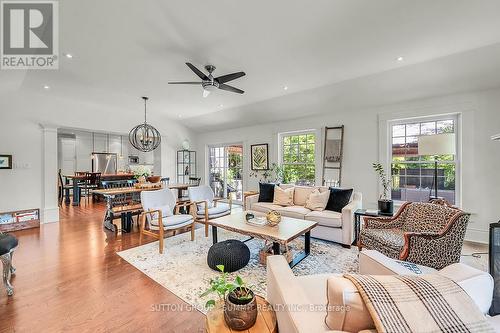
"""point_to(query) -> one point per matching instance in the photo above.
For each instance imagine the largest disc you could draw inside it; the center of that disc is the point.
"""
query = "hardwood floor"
(69, 278)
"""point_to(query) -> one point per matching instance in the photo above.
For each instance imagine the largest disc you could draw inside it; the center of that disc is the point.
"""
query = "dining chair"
(63, 188)
(194, 181)
(107, 184)
(207, 206)
(92, 182)
(165, 181)
(80, 174)
(161, 213)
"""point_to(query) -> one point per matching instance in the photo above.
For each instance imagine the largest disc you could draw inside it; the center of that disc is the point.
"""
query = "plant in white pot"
(385, 205)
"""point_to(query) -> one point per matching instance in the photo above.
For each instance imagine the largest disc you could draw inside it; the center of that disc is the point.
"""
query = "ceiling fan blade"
(229, 77)
(197, 71)
(184, 83)
(230, 88)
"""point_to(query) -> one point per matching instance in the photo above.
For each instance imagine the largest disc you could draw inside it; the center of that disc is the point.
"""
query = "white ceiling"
(126, 49)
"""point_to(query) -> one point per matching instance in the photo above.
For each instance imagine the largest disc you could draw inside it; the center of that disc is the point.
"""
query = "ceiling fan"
(209, 83)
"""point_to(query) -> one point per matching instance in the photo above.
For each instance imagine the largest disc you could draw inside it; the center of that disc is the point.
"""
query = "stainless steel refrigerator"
(105, 163)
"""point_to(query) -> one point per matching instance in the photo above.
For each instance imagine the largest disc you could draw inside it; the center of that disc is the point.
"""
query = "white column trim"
(50, 208)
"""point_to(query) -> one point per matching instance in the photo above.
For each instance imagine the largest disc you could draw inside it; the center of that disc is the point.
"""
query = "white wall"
(22, 136)
(364, 144)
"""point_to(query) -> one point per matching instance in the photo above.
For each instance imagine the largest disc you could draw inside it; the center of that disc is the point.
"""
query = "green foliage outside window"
(298, 159)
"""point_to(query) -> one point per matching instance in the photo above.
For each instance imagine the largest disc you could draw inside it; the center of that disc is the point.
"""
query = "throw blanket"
(425, 303)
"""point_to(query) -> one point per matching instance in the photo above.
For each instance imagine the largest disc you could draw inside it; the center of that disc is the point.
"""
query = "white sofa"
(332, 226)
(300, 301)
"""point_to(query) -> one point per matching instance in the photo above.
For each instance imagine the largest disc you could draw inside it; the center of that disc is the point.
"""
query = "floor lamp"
(436, 145)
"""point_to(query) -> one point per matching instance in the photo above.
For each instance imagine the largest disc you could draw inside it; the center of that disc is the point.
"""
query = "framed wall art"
(259, 157)
(5, 161)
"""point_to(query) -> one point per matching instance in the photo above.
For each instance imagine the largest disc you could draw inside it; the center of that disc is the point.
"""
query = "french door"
(226, 171)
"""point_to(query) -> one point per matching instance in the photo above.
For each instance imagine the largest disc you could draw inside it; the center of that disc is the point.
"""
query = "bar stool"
(8, 243)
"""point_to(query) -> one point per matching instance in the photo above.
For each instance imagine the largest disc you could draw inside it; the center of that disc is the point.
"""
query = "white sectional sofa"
(332, 226)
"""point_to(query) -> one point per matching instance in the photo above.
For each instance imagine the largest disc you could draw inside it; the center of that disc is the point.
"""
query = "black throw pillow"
(339, 198)
(266, 192)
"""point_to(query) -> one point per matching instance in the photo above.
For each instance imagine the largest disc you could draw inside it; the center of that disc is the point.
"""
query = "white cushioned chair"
(161, 213)
(207, 206)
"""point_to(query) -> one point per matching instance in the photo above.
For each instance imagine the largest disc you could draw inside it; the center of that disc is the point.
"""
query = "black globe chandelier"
(144, 137)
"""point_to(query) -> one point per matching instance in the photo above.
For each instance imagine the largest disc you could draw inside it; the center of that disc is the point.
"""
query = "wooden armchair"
(206, 205)
(423, 233)
(161, 213)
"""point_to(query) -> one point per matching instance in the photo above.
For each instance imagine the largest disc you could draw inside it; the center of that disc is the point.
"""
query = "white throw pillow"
(283, 197)
(210, 204)
(317, 200)
(166, 211)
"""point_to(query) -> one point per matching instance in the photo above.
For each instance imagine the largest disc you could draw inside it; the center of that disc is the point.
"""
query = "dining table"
(76, 179)
(111, 193)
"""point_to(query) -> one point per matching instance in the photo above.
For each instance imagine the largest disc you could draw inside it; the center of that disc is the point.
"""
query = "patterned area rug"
(183, 269)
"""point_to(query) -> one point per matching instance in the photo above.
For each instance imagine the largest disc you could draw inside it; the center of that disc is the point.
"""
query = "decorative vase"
(386, 207)
(240, 315)
(273, 218)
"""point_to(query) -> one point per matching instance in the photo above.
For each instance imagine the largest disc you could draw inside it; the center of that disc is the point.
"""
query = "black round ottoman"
(232, 253)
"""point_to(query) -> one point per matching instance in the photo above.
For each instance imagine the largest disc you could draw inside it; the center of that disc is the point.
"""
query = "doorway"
(67, 155)
(226, 171)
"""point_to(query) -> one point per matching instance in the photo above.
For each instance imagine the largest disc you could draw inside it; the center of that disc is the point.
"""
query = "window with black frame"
(413, 174)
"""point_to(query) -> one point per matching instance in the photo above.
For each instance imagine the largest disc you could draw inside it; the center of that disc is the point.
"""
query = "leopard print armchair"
(428, 234)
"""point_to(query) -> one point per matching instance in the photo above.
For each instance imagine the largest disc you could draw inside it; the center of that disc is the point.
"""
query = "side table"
(266, 319)
(357, 221)
(245, 195)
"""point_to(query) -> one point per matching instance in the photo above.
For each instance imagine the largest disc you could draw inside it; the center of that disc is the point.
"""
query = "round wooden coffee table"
(266, 319)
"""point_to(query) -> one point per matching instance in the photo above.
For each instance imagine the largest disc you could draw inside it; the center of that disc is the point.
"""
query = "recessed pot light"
(46, 87)
(68, 55)
(180, 116)
(400, 58)
(221, 105)
(285, 88)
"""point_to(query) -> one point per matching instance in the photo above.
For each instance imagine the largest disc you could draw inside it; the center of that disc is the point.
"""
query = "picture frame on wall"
(259, 156)
(5, 161)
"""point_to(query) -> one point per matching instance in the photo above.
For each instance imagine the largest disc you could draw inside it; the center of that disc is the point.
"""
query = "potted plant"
(240, 304)
(141, 172)
(385, 205)
(274, 174)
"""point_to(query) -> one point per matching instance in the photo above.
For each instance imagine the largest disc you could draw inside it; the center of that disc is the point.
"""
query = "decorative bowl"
(154, 179)
(273, 218)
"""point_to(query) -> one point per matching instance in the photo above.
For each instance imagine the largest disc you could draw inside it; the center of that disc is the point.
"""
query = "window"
(298, 158)
(413, 175)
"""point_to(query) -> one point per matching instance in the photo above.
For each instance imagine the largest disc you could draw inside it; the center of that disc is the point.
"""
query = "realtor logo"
(29, 35)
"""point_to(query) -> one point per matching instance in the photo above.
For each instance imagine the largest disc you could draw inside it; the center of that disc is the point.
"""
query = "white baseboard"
(477, 235)
(50, 215)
